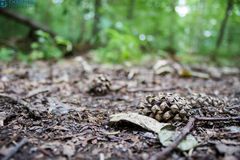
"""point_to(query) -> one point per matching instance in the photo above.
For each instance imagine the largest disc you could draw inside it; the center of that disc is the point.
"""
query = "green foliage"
(23, 57)
(190, 27)
(121, 47)
(6, 54)
(47, 47)
(64, 43)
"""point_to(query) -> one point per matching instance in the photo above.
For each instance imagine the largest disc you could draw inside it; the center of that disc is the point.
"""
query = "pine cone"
(100, 85)
(166, 107)
(205, 105)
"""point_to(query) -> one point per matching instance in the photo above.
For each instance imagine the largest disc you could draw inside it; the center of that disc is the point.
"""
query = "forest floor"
(47, 113)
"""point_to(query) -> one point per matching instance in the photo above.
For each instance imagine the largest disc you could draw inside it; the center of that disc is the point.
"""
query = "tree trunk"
(171, 48)
(131, 9)
(82, 26)
(228, 12)
(96, 20)
(172, 27)
(199, 26)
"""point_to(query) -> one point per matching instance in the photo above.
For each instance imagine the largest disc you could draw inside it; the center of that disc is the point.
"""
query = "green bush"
(120, 47)
(47, 47)
(44, 47)
(6, 54)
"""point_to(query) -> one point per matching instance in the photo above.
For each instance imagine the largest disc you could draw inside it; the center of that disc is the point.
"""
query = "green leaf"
(42, 34)
(35, 55)
(6, 54)
(168, 134)
(188, 143)
(34, 45)
(64, 42)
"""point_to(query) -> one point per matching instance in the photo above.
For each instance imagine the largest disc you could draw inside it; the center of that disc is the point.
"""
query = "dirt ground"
(47, 103)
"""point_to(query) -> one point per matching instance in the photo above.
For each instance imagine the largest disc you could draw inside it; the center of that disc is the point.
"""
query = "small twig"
(17, 100)
(185, 131)
(217, 118)
(179, 138)
(15, 149)
(45, 152)
(153, 89)
(36, 92)
(114, 98)
(88, 126)
(67, 136)
(14, 99)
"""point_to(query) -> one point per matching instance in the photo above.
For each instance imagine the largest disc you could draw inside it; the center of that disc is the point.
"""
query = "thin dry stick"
(12, 98)
(217, 118)
(180, 137)
(185, 131)
(153, 89)
(16, 100)
(36, 92)
(15, 149)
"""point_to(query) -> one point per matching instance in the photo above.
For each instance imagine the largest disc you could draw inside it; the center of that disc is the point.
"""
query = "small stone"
(145, 156)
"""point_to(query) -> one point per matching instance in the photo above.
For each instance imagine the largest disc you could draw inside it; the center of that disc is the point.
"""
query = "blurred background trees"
(123, 30)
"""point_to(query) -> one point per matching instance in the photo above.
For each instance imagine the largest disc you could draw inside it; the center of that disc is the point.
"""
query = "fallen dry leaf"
(165, 131)
(140, 120)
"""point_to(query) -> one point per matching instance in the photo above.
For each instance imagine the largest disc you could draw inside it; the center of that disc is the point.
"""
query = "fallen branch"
(26, 21)
(180, 137)
(15, 149)
(4, 43)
